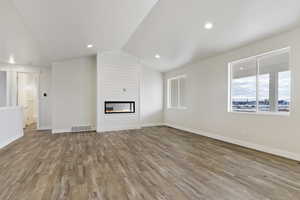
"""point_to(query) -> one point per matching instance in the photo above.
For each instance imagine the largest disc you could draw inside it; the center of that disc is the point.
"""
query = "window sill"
(263, 113)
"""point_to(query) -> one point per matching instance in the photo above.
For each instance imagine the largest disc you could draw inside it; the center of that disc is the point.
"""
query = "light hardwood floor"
(156, 163)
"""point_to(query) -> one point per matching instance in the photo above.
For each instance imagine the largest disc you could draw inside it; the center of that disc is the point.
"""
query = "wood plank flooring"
(157, 163)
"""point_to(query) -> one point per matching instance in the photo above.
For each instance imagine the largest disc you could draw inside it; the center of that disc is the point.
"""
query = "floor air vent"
(81, 128)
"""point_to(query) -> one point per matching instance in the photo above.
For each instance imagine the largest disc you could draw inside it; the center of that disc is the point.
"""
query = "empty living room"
(149, 100)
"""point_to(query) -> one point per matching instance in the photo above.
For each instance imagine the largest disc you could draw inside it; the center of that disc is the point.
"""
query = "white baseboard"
(258, 147)
(9, 140)
(152, 124)
(118, 128)
(45, 128)
(66, 130)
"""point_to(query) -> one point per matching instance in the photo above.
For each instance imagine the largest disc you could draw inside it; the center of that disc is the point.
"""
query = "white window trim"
(178, 95)
(257, 57)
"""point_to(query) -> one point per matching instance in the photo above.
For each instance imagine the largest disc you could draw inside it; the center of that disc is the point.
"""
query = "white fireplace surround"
(118, 79)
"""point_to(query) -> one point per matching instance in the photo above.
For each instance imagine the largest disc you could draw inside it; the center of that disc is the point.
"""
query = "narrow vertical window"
(244, 86)
(174, 90)
(182, 90)
(177, 92)
(284, 91)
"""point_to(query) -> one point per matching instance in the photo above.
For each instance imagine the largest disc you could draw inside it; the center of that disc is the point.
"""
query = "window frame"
(179, 106)
(257, 58)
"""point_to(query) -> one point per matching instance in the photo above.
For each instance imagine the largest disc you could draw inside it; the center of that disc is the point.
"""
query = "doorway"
(27, 97)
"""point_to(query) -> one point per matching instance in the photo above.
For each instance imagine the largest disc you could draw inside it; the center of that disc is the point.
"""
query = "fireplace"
(119, 107)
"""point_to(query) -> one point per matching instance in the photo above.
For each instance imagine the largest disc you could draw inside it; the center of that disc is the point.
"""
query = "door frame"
(37, 96)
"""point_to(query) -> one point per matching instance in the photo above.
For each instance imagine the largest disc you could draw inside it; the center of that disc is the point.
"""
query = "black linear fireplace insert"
(118, 107)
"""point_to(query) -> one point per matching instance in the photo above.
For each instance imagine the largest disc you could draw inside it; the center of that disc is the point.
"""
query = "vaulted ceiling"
(44, 31)
(16, 41)
(63, 28)
(175, 28)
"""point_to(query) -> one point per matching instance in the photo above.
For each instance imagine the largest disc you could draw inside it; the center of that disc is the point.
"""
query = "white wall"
(73, 94)
(207, 97)
(45, 102)
(151, 97)
(3, 88)
(11, 125)
(12, 88)
(117, 71)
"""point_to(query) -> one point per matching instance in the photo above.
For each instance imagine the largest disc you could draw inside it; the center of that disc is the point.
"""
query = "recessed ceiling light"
(157, 56)
(89, 46)
(208, 25)
(11, 59)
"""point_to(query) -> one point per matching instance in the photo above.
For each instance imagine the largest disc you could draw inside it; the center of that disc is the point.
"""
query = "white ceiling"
(174, 28)
(61, 29)
(16, 41)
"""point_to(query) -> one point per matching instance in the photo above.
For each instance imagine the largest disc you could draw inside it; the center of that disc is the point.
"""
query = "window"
(261, 83)
(177, 92)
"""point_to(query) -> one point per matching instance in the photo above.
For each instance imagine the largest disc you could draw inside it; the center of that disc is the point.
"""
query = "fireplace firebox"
(119, 107)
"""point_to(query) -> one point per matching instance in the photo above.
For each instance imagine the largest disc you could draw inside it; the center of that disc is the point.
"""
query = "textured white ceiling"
(61, 29)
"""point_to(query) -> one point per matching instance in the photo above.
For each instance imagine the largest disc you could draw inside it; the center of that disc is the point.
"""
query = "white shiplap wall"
(117, 71)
